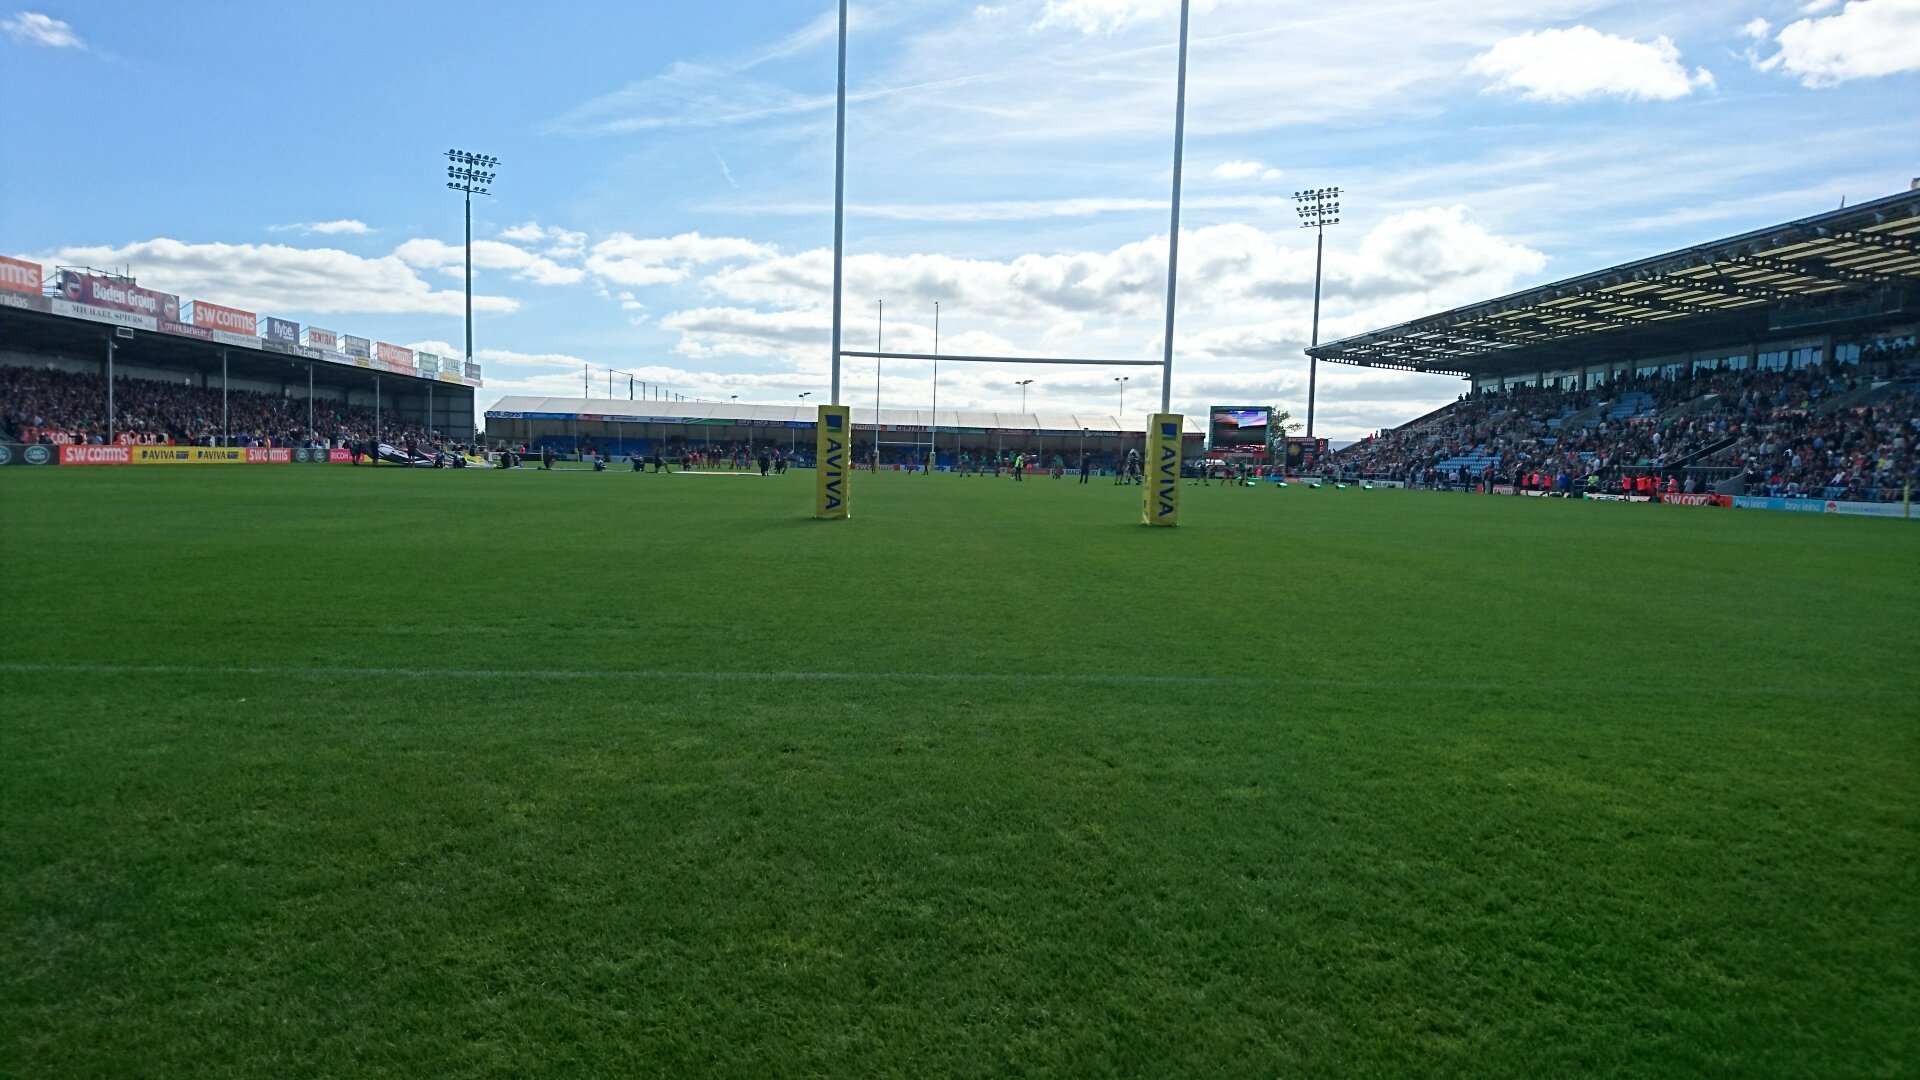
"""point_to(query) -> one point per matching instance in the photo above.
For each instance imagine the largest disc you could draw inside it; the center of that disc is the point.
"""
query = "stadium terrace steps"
(1864, 394)
(1583, 418)
(1632, 404)
(1689, 407)
(1475, 462)
(1706, 452)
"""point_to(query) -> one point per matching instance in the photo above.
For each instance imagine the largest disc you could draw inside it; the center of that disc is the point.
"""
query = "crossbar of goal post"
(949, 358)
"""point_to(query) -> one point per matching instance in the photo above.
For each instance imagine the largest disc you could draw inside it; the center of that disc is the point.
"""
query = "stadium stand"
(1820, 431)
(1780, 362)
(52, 406)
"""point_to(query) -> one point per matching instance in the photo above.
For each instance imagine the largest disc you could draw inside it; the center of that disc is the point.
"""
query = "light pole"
(879, 335)
(470, 174)
(1122, 380)
(792, 444)
(1318, 208)
(1023, 384)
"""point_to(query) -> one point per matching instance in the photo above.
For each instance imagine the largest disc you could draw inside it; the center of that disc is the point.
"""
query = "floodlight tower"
(1023, 384)
(1318, 208)
(470, 174)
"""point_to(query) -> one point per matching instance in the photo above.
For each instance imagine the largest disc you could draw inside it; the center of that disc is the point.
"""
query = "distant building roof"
(738, 413)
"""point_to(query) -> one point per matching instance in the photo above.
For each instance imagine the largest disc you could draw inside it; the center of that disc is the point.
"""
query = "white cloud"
(707, 332)
(489, 255)
(344, 226)
(1581, 62)
(274, 277)
(33, 28)
(504, 356)
(1244, 170)
(1245, 293)
(561, 243)
(1867, 39)
(1757, 29)
(1109, 16)
(1022, 209)
(629, 260)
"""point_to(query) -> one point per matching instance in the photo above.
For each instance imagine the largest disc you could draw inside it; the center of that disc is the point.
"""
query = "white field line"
(1016, 678)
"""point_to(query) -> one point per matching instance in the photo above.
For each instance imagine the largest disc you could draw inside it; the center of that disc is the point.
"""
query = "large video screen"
(1238, 425)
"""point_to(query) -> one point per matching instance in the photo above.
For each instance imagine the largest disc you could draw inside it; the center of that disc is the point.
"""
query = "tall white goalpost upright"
(833, 424)
(1161, 499)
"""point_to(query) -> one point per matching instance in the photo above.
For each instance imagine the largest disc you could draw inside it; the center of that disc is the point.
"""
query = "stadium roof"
(734, 413)
(30, 331)
(1857, 263)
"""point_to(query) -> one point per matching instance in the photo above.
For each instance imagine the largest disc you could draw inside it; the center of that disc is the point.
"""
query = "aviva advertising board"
(187, 455)
(832, 444)
(1161, 504)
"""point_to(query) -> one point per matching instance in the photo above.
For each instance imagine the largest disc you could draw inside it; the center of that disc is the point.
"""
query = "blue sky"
(664, 202)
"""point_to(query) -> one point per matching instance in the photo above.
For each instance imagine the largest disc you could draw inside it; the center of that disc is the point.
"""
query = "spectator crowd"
(39, 405)
(1833, 432)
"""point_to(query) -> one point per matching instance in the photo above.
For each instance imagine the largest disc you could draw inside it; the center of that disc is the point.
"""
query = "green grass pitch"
(332, 771)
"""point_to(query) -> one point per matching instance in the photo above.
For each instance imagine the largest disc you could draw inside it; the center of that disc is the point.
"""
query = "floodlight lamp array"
(470, 173)
(1318, 207)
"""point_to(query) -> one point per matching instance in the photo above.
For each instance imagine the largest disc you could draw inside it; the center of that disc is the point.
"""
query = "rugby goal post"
(833, 429)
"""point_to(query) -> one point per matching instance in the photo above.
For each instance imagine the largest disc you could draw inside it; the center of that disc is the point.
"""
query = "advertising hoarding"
(831, 447)
(183, 330)
(316, 338)
(23, 302)
(282, 331)
(184, 455)
(28, 454)
(356, 346)
(1160, 501)
(94, 455)
(112, 300)
(219, 318)
(18, 275)
(392, 354)
(1304, 453)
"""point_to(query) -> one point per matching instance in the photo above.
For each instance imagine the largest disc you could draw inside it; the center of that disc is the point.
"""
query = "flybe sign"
(1161, 500)
(830, 468)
